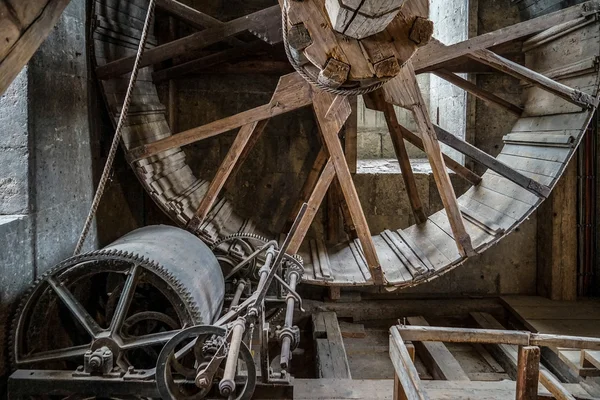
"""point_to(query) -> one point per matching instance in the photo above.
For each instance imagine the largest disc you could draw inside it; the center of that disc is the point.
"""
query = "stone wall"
(45, 161)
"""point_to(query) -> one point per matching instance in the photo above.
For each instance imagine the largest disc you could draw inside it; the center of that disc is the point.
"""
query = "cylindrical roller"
(186, 257)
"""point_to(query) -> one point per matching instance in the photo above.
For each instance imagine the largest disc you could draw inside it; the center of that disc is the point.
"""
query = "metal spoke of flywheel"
(76, 308)
(53, 355)
(125, 300)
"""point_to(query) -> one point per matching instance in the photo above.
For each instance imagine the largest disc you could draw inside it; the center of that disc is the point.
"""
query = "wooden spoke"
(189, 67)
(292, 92)
(315, 200)
(241, 141)
(193, 17)
(478, 92)
(404, 91)
(493, 164)
(520, 72)
(196, 41)
(416, 141)
(434, 53)
(309, 186)
(330, 128)
(377, 99)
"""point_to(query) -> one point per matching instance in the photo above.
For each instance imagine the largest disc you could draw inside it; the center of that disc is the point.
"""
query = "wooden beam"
(195, 41)
(494, 336)
(520, 72)
(399, 393)
(260, 128)
(408, 176)
(309, 185)
(404, 368)
(434, 53)
(554, 386)
(330, 128)
(404, 91)
(193, 17)
(314, 202)
(292, 92)
(528, 372)
(478, 92)
(332, 361)
(437, 358)
(351, 135)
(28, 42)
(495, 165)
(180, 70)
(225, 170)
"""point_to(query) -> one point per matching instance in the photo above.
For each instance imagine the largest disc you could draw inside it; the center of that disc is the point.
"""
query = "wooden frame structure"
(408, 385)
(535, 154)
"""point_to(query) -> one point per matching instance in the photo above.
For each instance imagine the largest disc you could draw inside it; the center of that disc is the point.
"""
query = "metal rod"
(227, 384)
(238, 294)
(289, 319)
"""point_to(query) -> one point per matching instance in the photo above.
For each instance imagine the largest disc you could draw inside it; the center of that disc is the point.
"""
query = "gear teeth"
(186, 299)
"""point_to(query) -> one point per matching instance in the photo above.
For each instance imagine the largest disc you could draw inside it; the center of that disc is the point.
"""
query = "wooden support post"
(528, 372)
(437, 358)
(404, 92)
(399, 393)
(322, 103)
(478, 92)
(557, 239)
(405, 370)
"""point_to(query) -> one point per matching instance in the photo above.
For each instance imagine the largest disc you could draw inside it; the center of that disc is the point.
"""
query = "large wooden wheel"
(561, 91)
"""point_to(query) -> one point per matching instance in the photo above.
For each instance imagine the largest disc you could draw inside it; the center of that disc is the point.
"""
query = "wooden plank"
(404, 91)
(399, 393)
(404, 367)
(351, 136)
(492, 163)
(329, 131)
(315, 200)
(435, 53)
(349, 330)
(437, 358)
(193, 42)
(528, 371)
(520, 72)
(381, 389)
(332, 361)
(401, 154)
(292, 92)
(23, 49)
(478, 92)
(224, 172)
(555, 387)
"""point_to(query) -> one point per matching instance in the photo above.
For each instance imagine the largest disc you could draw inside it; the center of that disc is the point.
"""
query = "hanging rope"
(313, 80)
(117, 138)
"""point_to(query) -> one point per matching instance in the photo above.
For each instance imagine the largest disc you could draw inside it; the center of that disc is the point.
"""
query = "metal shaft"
(289, 320)
(227, 384)
(238, 294)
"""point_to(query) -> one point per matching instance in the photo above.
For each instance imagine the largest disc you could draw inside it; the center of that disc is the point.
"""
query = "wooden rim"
(559, 104)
